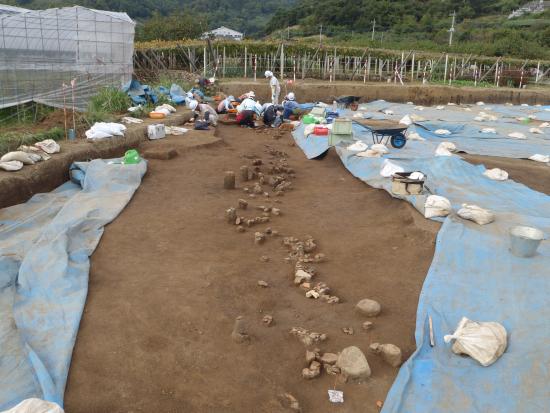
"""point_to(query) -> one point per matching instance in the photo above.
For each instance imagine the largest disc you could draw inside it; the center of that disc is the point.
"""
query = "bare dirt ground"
(171, 275)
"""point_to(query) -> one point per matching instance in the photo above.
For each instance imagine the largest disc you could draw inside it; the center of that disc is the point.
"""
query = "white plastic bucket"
(525, 240)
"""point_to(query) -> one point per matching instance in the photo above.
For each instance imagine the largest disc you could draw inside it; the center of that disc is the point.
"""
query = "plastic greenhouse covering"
(42, 51)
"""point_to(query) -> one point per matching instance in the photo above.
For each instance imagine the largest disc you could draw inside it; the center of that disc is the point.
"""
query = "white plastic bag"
(483, 341)
(388, 112)
(369, 153)
(166, 106)
(544, 125)
(536, 131)
(18, 156)
(445, 149)
(358, 146)
(437, 206)
(11, 166)
(49, 146)
(540, 158)
(477, 214)
(488, 130)
(102, 130)
(380, 147)
(440, 107)
(517, 135)
(442, 132)
(413, 136)
(406, 120)
(496, 174)
(35, 406)
(389, 168)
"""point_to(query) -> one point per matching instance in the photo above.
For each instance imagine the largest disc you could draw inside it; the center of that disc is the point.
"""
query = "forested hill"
(248, 16)
(406, 14)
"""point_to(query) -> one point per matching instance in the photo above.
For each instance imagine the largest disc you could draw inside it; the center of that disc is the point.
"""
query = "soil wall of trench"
(17, 187)
(313, 91)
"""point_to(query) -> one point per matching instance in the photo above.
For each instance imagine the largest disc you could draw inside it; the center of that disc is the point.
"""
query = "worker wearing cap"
(247, 111)
(204, 111)
(289, 105)
(226, 104)
(274, 86)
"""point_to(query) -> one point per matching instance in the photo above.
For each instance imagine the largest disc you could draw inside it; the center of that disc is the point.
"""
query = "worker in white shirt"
(203, 111)
(274, 86)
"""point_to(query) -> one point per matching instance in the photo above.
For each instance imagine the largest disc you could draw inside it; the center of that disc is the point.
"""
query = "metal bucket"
(525, 241)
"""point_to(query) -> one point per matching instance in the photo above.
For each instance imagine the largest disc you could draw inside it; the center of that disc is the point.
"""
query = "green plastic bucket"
(131, 157)
(308, 120)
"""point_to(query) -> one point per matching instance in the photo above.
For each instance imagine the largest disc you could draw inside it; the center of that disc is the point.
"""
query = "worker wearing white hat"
(274, 86)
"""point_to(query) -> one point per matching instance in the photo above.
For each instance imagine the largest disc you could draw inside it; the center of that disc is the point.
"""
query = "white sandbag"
(308, 129)
(388, 112)
(369, 153)
(479, 119)
(540, 158)
(517, 135)
(358, 146)
(167, 106)
(532, 117)
(417, 176)
(413, 136)
(410, 103)
(443, 132)
(175, 130)
(440, 107)
(49, 146)
(406, 120)
(451, 104)
(380, 147)
(160, 109)
(536, 131)
(524, 105)
(421, 108)
(544, 125)
(496, 174)
(18, 156)
(488, 130)
(437, 206)
(35, 157)
(483, 341)
(467, 109)
(477, 214)
(35, 406)
(91, 134)
(129, 120)
(389, 168)
(11, 166)
(417, 118)
(445, 149)
(480, 103)
(36, 151)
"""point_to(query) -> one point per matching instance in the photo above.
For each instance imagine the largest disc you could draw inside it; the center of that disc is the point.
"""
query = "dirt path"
(171, 275)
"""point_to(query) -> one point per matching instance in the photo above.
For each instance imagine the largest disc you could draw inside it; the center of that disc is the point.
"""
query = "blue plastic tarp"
(474, 275)
(45, 245)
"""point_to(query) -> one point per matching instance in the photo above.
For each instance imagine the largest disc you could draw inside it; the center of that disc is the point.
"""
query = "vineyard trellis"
(232, 60)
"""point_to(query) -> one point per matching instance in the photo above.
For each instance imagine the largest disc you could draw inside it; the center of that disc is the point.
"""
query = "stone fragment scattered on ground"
(390, 353)
(231, 215)
(267, 320)
(353, 364)
(244, 173)
(257, 189)
(329, 358)
(307, 337)
(240, 333)
(288, 401)
(240, 228)
(264, 258)
(367, 325)
(259, 238)
(263, 284)
(313, 371)
(276, 211)
(311, 355)
(368, 307)
(312, 294)
(229, 180)
(301, 276)
(332, 370)
(243, 204)
(348, 330)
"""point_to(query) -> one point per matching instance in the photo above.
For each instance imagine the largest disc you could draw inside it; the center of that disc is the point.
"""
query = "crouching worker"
(247, 111)
(272, 115)
(226, 104)
(204, 114)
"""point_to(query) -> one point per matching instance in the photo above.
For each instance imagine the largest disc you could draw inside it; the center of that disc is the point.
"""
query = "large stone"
(368, 307)
(329, 358)
(390, 353)
(353, 364)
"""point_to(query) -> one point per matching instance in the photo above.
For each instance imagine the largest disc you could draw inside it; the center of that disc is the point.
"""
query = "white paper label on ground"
(336, 396)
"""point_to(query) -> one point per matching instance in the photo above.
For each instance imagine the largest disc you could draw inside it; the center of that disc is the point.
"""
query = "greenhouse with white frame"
(54, 56)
